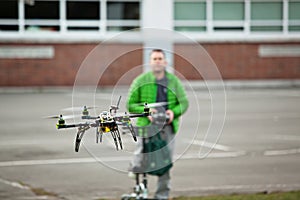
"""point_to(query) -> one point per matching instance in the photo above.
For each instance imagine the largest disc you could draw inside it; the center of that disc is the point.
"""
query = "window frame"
(65, 24)
(206, 29)
(244, 25)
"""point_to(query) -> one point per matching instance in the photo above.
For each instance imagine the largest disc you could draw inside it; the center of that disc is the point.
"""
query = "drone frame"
(104, 125)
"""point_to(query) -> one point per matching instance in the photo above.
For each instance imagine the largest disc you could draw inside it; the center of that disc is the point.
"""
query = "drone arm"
(89, 117)
(61, 126)
(145, 114)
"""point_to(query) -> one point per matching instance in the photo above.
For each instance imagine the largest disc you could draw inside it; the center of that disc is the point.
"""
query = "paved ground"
(258, 149)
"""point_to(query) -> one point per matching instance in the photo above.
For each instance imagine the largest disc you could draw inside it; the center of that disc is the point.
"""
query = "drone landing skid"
(130, 127)
(116, 136)
(99, 136)
(79, 136)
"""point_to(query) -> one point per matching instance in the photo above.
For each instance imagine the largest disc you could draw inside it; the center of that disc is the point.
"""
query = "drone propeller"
(79, 108)
(152, 105)
(62, 116)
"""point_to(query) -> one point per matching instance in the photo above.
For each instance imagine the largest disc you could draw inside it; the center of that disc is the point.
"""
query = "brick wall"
(62, 69)
(239, 61)
(234, 61)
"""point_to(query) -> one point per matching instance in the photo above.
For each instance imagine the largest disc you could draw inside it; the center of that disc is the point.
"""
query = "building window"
(241, 16)
(83, 16)
(9, 15)
(83, 10)
(294, 16)
(228, 11)
(123, 10)
(38, 12)
(266, 16)
(123, 16)
(228, 16)
(8, 9)
(42, 10)
(69, 15)
(190, 11)
(101, 17)
(190, 16)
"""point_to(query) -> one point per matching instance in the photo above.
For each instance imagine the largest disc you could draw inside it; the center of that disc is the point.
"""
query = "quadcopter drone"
(106, 122)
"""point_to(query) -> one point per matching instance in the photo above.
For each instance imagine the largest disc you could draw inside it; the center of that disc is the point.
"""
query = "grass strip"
(293, 195)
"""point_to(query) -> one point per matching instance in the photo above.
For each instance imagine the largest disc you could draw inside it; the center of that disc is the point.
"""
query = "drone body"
(106, 122)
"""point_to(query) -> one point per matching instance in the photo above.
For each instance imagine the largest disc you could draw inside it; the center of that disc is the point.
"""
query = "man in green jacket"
(158, 85)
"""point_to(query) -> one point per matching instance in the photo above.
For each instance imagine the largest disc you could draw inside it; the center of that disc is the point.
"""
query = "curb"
(242, 84)
(189, 85)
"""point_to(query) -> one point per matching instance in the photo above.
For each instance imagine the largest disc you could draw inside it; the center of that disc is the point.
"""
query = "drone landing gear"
(99, 135)
(80, 133)
(116, 136)
(132, 132)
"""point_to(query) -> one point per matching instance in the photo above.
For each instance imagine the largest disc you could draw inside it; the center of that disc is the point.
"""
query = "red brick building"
(44, 43)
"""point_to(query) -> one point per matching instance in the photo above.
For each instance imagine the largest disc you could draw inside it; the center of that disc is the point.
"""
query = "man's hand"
(152, 110)
(171, 116)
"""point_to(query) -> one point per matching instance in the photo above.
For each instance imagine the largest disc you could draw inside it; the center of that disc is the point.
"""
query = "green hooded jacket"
(144, 89)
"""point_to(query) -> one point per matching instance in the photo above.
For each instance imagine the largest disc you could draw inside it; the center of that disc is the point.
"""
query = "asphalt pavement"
(233, 141)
